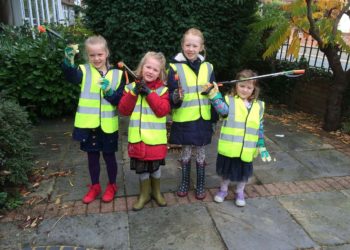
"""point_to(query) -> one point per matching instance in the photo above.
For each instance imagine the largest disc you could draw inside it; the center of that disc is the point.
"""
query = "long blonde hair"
(246, 73)
(194, 32)
(159, 56)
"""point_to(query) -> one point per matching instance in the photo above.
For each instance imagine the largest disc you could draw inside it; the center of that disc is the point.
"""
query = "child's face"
(192, 46)
(151, 69)
(245, 89)
(97, 55)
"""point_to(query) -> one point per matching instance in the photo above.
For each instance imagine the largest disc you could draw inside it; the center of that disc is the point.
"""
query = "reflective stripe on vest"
(239, 132)
(144, 125)
(93, 110)
(194, 104)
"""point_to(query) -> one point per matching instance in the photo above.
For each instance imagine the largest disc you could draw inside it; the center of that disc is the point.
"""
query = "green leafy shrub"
(30, 69)
(134, 27)
(15, 151)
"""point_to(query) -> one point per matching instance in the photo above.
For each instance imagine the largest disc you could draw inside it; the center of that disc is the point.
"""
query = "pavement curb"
(124, 203)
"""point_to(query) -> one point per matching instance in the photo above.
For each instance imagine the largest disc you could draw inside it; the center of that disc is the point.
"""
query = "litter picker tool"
(289, 73)
(51, 33)
(126, 69)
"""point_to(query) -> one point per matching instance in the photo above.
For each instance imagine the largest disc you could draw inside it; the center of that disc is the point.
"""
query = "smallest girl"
(147, 101)
(242, 134)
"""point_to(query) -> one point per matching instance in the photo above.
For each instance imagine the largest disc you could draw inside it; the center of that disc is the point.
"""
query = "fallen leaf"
(70, 182)
(36, 184)
(58, 201)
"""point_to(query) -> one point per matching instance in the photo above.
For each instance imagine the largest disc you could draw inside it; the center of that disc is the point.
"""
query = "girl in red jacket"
(147, 101)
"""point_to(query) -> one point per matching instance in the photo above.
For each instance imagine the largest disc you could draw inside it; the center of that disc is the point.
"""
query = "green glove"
(264, 154)
(69, 52)
(106, 87)
(261, 143)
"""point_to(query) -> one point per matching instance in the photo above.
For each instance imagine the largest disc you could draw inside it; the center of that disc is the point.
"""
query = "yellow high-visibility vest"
(239, 132)
(93, 110)
(194, 104)
(144, 125)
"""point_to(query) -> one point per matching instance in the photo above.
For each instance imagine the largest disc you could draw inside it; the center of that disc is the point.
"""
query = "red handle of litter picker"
(298, 71)
(120, 65)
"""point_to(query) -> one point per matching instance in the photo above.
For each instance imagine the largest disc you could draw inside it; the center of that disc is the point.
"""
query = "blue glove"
(264, 154)
(106, 87)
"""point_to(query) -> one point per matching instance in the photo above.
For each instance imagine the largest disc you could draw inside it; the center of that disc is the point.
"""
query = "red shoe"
(110, 192)
(93, 192)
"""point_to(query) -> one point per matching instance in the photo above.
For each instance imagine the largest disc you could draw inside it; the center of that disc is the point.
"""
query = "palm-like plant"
(320, 19)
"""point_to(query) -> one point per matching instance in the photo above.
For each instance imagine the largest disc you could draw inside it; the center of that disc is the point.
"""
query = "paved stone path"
(300, 200)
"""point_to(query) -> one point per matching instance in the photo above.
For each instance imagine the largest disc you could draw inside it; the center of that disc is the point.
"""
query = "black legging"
(94, 166)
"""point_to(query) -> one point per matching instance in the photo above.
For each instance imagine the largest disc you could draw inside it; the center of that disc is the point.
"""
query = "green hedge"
(30, 69)
(15, 151)
(134, 27)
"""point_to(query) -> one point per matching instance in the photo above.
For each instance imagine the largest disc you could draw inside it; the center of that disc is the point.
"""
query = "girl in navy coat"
(191, 111)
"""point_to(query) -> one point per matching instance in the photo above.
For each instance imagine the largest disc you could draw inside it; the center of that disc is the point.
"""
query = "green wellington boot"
(156, 194)
(144, 197)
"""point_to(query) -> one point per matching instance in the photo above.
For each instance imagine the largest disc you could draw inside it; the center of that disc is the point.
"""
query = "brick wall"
(311, 97)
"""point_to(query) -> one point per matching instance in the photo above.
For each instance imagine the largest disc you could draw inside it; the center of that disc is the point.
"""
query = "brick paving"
(124, 203)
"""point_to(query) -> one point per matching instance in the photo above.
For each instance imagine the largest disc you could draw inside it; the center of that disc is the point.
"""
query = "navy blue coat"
(197, 132)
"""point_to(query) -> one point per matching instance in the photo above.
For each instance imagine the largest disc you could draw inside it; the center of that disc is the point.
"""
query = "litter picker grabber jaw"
(126, 69)
(51, 33)
(289, 73)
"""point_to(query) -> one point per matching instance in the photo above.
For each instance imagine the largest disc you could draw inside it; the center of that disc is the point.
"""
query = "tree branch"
(314, 32)
(337, 19)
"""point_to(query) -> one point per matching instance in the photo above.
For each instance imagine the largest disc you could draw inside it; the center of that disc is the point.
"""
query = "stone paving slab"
(295, 140)
(324, 163)
(325, 215)
(11, 236)
(177, 227)
(99, 231)
(263, 224)
(342, 247)
(284, 167)
(302, 165)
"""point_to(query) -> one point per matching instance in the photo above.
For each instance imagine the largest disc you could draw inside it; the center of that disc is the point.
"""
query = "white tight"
(145, 176)
(239, 188)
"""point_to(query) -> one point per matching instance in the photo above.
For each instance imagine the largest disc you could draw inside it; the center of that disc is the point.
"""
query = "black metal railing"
(310, 51)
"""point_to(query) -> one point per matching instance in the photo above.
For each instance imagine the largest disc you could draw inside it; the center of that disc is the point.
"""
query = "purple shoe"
(220, 196)
(240, 201)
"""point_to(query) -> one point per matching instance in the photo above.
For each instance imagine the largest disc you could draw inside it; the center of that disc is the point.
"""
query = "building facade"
(37, 12)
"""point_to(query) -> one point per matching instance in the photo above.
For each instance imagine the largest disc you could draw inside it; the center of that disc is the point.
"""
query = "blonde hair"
(159, 56)
(98, 39)
(246, 73)
(194, 32)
